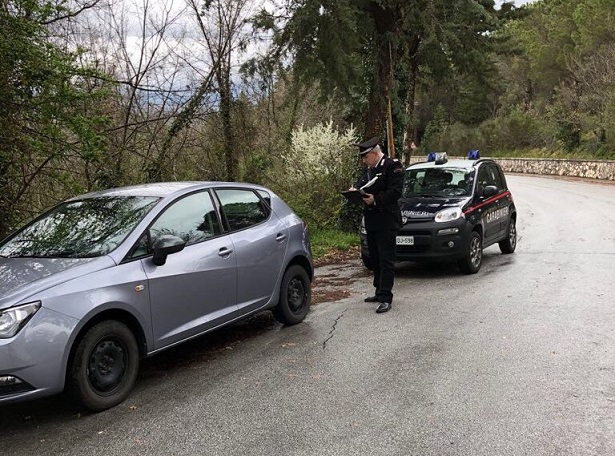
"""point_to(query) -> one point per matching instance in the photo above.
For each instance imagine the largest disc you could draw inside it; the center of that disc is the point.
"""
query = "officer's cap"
(367, 146)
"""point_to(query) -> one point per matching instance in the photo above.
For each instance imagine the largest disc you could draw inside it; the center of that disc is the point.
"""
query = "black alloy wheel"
(473, 258)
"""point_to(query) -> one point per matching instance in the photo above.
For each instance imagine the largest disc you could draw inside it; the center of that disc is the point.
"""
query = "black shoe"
(383, 307)
(371, 299)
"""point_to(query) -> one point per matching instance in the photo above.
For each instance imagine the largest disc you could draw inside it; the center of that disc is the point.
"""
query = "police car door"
(495, 207)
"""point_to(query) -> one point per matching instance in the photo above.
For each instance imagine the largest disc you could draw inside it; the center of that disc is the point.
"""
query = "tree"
(372, 48)
(43, 127)
(451, 49)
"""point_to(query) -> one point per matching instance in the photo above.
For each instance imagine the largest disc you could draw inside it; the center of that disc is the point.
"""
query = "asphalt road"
(518, 359)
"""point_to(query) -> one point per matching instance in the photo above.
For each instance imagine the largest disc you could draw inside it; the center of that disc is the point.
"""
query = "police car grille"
(401, 249)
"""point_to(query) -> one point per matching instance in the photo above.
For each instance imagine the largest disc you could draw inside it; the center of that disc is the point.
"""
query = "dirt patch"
(338, 257)
(335, 273)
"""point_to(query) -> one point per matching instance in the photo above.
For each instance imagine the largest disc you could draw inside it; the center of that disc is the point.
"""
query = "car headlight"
(13, 319)
(448, 215)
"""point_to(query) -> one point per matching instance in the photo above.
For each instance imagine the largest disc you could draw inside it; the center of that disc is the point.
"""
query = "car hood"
(425, 208)
(20, 278)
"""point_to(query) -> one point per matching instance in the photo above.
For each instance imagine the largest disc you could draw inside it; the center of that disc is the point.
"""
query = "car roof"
(161, 189)
(460, 164)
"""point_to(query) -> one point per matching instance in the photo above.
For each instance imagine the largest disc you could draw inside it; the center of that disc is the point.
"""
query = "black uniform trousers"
(381, 243)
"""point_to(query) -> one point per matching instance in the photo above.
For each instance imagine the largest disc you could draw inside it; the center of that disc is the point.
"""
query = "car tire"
(473, 258)
(295, 296)
(509, 244)
(104, 367)
(366, 262)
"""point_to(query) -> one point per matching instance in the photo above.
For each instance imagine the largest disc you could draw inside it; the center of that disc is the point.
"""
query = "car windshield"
(79, 229)
(444, 182)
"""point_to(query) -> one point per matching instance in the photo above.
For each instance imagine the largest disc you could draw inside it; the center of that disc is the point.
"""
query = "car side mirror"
(165, 246)
(490, 190)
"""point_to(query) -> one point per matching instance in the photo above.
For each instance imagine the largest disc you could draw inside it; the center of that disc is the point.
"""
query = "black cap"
(367, 146)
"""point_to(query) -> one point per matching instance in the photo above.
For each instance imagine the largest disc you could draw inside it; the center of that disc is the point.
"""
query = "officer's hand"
(368, 199)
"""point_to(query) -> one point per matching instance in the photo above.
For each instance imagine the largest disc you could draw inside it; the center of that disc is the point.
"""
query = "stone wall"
(594, 169)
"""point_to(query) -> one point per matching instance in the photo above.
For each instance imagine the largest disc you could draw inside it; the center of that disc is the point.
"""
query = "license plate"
(405, 240)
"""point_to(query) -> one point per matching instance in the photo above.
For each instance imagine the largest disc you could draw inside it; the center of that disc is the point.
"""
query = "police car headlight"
(448, 215)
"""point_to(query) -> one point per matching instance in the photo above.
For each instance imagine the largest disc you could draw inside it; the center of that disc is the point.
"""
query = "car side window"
(265, 196)
(497, 177)
(483, 180)
(242, 208)
(489, 175)
(192, 218)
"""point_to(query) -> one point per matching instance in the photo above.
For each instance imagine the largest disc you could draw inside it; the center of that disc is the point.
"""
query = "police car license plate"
(405, 240)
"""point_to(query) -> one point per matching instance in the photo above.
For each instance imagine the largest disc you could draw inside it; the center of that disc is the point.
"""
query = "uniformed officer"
(384, 179)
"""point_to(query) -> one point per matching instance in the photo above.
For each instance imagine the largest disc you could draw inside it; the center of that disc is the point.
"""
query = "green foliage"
(49, 119)
(319, 164)
(517, 130)
(327, 240)
(555, 87)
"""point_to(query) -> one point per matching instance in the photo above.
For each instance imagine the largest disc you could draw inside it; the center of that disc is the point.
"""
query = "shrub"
(319, 164)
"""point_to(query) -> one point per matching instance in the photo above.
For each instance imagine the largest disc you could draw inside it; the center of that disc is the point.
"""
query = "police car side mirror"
(490, 190)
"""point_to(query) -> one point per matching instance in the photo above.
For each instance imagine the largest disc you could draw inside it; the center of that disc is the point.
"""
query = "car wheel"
(105, 366)
(295, 296)
(473, 258)
(366, 262)
(509, 244)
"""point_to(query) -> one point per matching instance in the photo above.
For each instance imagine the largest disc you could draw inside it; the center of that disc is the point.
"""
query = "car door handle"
(224, 252)
(280, 237)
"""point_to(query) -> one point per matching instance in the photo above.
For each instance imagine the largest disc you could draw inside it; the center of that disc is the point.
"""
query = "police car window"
(484, 178)
(496, 177)
(242, 208)
(192, 218)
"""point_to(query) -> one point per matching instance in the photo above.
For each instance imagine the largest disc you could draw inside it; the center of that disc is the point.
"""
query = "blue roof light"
(474, 154)
(438, 157)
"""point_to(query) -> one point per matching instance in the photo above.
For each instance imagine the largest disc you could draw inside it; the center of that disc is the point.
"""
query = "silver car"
(106, 278)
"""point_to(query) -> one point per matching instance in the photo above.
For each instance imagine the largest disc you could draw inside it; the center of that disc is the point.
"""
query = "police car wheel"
(509, 244)
(473, 258)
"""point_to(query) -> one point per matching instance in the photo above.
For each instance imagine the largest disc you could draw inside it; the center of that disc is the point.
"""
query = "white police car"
(452, 210)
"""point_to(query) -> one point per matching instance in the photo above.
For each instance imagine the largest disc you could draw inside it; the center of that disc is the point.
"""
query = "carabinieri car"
(451, 211)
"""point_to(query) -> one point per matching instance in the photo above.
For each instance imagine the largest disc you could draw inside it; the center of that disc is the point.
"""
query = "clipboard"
(354, 196)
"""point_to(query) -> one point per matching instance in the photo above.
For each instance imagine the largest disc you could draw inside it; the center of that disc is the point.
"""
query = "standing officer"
(382, 217)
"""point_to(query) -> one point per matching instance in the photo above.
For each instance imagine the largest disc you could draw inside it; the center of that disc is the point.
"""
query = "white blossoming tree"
(321, 162)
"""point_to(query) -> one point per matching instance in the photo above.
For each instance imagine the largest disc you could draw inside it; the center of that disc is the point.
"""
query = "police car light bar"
(473, 154)
(438, 157)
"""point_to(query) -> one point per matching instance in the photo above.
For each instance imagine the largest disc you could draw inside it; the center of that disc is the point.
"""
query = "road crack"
(324, 344)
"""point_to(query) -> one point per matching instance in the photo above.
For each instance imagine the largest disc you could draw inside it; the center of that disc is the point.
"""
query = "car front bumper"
(432, 241)
(33, 362)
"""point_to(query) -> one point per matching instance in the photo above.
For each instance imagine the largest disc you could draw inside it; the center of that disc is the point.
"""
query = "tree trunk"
(224, 84)
(385, 21)
(410, 135)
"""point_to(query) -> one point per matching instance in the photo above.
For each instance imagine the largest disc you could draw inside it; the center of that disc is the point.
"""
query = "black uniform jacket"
(385, 213)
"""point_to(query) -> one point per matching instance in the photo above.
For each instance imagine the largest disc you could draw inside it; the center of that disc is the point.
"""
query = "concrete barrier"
(593, 169)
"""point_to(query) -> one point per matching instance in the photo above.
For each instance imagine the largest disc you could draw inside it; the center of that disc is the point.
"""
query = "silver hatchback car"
(106, 278)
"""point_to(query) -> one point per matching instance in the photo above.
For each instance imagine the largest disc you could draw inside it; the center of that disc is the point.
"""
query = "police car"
(452, 210)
